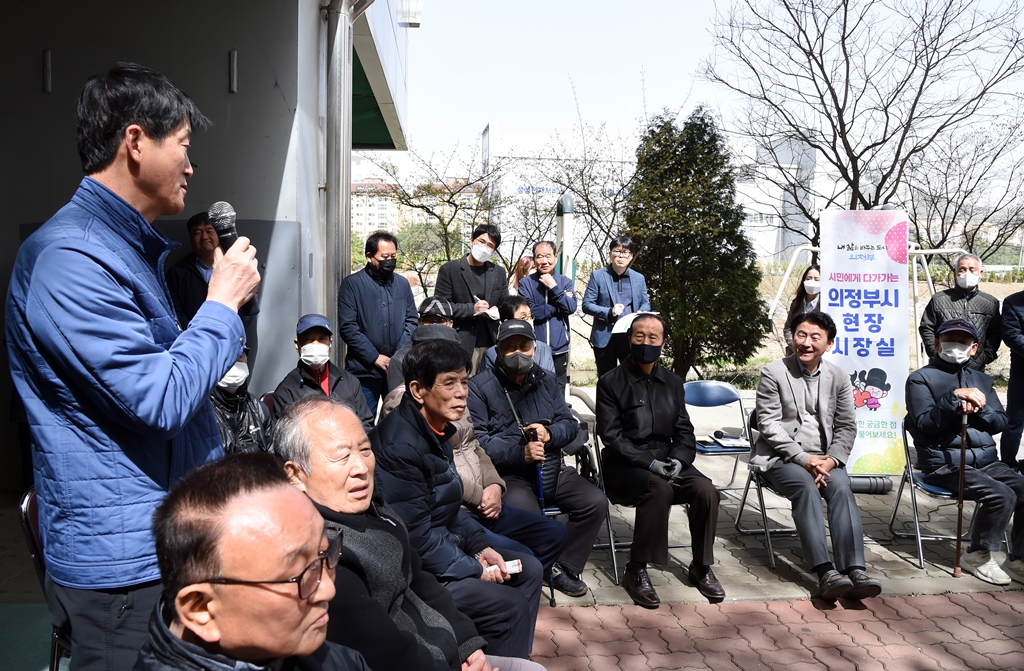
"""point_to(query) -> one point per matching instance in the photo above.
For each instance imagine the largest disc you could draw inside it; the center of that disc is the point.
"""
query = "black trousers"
(506, 614)
(108, 627)
(611, 356)
(561, 369)
(584, 503)
(654, 501)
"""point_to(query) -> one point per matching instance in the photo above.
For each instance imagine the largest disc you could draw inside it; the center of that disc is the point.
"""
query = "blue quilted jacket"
(117, 396)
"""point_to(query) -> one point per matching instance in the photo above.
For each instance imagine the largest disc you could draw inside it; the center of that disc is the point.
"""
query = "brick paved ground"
(898, 633)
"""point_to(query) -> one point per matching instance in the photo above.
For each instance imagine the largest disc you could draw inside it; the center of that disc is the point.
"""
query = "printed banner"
(864, 289)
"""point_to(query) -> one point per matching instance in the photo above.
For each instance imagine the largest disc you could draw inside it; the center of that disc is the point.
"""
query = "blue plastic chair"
(714, 394)
(914, 477)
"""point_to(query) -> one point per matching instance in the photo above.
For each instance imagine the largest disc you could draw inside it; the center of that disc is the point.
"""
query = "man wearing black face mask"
(524, 424)
(376, 316)
(648, 460)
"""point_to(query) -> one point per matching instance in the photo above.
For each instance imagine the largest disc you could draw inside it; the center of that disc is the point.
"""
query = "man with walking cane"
(952, 414)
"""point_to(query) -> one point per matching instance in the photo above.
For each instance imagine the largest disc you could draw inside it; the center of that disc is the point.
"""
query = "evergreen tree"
(700, 266)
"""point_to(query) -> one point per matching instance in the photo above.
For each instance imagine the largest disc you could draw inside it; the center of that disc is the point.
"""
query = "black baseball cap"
(958, 324)
(437, 307)
(514, 327)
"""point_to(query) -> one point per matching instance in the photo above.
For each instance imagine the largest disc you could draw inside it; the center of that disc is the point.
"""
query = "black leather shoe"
(834, 585)
(566, 581)
(708, 585)
(864, 586)
(639, 588)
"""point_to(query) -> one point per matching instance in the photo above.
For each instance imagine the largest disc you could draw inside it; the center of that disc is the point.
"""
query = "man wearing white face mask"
(965, 301)
(938, 396)
(244, 421)
(316, 374)
(474, 285)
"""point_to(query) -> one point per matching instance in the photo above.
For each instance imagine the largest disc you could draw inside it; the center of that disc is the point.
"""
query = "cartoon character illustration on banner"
(869, 386)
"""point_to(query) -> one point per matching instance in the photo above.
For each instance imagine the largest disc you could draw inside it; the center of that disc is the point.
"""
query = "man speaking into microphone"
(117, 396)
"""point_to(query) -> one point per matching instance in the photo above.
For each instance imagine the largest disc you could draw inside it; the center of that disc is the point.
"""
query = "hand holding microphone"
(235, 274)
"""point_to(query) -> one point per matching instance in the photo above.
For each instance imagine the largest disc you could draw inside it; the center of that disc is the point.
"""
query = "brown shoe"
(639, 588)
(708, 585)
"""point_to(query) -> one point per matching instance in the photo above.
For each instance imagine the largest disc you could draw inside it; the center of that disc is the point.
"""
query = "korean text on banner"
(864, 289)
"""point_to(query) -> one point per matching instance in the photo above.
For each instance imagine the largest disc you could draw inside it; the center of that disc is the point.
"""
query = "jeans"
(999, 491)
(373, 389)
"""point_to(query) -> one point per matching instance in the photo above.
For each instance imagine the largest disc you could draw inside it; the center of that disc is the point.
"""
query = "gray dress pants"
(797, 484)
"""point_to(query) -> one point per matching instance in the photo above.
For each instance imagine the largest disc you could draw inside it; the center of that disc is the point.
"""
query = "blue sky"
(473, 62)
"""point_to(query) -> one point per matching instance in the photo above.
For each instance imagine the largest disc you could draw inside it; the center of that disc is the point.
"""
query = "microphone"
(222, 218)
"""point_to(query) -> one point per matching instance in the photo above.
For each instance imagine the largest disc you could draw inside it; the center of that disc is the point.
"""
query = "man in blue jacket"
(552, 302)
(117, 395)
(417, 477)
(524, 424)
(612, 293)
(376, 316)
(938, 397)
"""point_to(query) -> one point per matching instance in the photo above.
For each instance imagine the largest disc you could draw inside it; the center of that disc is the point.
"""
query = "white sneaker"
(1014, 569)
(981, 564)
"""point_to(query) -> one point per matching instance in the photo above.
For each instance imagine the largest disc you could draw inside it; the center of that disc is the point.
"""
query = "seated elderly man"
(416, 477)
(247, 574)
(939, 397)
(523, 423)
(388, 608)
(243, 420)
(805, 416)
(648, 460)
(315, 374)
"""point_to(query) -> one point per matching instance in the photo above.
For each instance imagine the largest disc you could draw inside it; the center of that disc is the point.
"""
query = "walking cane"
(960, 496)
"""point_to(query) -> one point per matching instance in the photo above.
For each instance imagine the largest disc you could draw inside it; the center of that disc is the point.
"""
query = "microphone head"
(221, 215)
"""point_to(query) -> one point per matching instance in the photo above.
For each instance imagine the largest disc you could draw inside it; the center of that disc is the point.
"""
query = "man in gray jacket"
(806, 421)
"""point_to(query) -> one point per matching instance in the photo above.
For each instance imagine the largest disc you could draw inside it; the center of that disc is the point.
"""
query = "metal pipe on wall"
(340, 16)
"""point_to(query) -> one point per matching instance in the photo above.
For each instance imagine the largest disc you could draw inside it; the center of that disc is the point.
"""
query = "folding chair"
(713, 394)
(760, 484)
(60, 639)
(913, 477)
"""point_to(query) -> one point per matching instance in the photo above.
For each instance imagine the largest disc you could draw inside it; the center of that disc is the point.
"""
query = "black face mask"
(645, 353)
(387, 266)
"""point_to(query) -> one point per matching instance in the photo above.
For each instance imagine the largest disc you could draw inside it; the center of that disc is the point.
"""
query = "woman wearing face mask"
(807, 299)
(244, 421)
(939, 396)
(967, 301)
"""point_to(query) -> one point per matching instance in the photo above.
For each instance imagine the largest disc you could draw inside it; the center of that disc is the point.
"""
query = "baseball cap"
(309, 321)
(437, 307)
(957, 324)
(514, 327)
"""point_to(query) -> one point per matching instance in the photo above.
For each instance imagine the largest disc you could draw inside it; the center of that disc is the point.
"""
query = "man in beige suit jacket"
(806, 421)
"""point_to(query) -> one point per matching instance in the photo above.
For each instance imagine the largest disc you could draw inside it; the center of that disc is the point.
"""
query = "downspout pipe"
(341, 14)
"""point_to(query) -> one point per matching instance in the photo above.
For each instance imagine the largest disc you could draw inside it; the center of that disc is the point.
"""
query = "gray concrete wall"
(263, 155)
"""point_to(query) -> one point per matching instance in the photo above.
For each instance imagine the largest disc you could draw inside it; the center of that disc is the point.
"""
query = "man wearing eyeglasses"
(612, 293)
(376, 316)
(247, 574)
(552, 302)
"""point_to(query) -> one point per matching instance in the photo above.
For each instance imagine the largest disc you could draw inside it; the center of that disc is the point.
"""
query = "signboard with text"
(864, 289)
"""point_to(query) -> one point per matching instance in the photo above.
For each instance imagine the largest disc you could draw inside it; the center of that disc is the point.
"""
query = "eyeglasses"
(621, 252)
(307, 582)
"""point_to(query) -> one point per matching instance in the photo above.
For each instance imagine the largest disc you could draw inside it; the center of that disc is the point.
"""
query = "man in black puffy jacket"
(243, 420)
(939, 396)
(523, 423)
(417, 478)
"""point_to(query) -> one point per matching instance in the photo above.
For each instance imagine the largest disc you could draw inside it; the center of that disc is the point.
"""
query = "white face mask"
(235, 377)
(968, 280)
(314, 354)
(955, 352)
(812, 287)
(482, 253)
